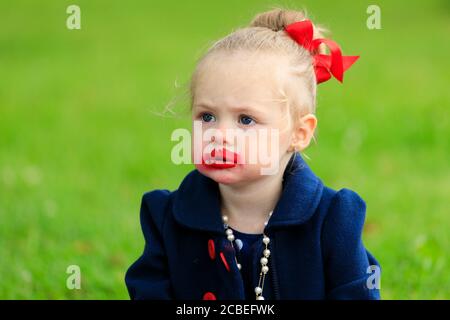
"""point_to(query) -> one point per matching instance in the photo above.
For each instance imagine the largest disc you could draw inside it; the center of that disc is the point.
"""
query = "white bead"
(229, 231)
(264, 261)
(266, 240)
(260, 298)
(225, 219)
(239, 266)
(266, 253)
(258, 290)
(230, 237)
(265, 269)
(265, 223)
(270, 214)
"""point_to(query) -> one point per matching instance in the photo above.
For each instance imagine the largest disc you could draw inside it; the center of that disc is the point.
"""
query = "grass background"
(80, 141)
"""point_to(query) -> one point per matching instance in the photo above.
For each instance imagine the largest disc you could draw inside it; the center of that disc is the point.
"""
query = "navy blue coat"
(316, 246)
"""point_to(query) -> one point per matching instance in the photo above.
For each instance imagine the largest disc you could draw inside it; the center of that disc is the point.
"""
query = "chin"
(237, 174)
(224, 176)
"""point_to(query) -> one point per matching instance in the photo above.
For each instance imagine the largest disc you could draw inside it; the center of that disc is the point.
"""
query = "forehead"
(240, 79)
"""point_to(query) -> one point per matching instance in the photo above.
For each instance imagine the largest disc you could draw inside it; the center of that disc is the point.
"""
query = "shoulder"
(156, 196)
(347, 203)
(154, 206)
(345, 214)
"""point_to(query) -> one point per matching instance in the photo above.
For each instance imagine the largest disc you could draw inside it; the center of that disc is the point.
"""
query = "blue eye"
(208, 117)
(246, 120)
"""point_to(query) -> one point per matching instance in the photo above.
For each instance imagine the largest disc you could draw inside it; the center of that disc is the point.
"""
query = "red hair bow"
(324, 65)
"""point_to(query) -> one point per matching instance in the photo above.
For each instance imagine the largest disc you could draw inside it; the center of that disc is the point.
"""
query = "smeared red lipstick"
(221, 159)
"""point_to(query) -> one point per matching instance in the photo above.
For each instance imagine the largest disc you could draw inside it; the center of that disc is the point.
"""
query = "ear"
(303, 132)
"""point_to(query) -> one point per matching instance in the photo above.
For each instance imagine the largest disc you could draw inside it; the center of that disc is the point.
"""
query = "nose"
(219, 135)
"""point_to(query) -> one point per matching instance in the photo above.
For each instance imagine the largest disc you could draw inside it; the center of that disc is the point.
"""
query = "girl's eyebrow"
(241, 109)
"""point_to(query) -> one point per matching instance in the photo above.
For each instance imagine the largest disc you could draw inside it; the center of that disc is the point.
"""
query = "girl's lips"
(221, 159)
(219, 165)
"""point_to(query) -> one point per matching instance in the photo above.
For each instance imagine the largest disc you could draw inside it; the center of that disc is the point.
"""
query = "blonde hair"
(266, 34)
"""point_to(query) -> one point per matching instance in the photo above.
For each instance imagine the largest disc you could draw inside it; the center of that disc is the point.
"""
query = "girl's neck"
(248, 206)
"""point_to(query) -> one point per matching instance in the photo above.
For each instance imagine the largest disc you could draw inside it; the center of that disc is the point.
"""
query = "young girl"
(231, 231)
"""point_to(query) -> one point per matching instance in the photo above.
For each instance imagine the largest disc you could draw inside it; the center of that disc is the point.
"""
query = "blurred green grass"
(80, 141)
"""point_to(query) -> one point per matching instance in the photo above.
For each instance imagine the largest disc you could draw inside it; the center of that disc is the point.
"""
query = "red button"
(209, 296)
(222, 256)
(211, 249)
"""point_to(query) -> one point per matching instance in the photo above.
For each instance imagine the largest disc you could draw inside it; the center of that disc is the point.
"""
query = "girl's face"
(245, 124)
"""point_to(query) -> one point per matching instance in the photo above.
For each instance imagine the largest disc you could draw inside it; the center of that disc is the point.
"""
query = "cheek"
(284, 140)
(252, 146)
(198, 144)
(275, 142)
(265, 143)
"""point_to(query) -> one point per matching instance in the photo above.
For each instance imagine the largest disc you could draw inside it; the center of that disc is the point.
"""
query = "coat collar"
(196, 203)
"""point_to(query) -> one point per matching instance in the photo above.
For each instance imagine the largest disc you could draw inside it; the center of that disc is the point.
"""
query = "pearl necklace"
(264, 260)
